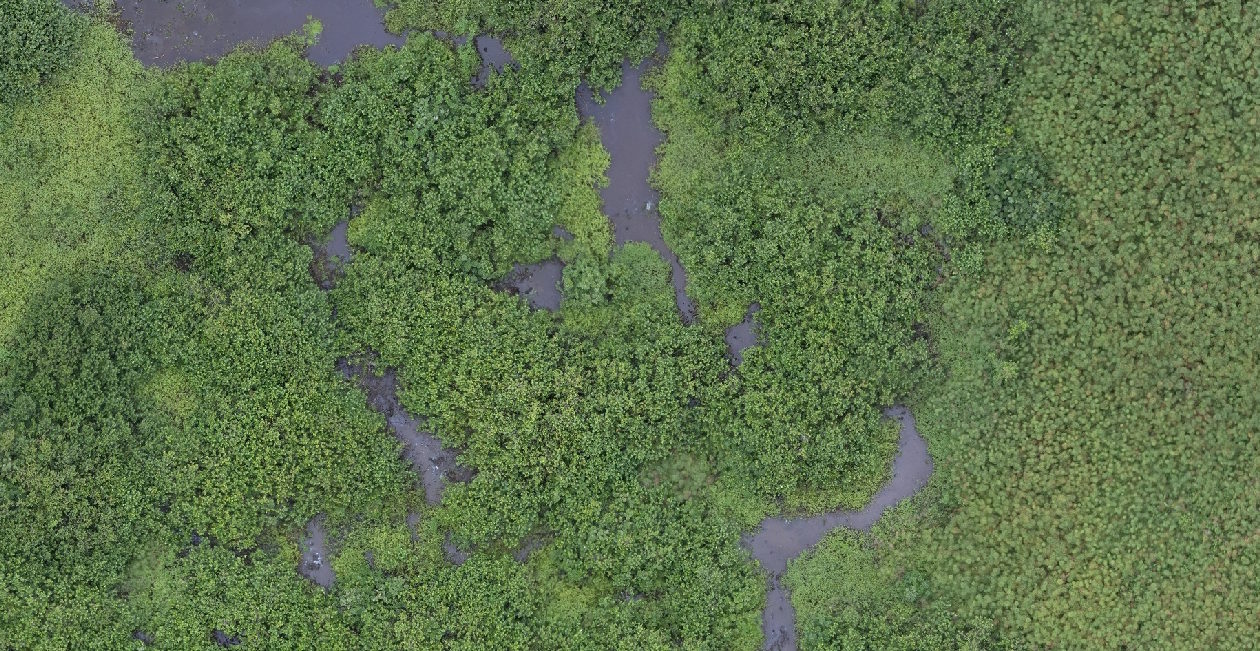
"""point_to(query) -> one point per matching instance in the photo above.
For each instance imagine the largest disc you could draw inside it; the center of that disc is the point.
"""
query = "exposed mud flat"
(532, 543)
(454, 555)
(782, 539)
(631, 138)
(435, 464)
(167, 32)
(315, 562)
(742, 335)
(538, 284)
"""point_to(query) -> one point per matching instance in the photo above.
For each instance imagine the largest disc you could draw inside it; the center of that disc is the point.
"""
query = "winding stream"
(782, 539)
(435, 464)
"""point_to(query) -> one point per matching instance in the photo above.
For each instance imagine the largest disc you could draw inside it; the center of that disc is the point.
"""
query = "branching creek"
(167, 33)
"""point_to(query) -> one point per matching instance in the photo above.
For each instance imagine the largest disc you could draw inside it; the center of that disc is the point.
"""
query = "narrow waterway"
(434, 463)
(781, 539)
(631, 138)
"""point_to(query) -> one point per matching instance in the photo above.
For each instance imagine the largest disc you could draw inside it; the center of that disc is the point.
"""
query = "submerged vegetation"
(1030, 222)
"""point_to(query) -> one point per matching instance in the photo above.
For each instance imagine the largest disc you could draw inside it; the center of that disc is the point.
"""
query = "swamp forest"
(634, 324)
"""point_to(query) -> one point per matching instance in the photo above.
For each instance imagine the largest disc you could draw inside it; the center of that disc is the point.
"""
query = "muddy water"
(742, 335)
(781, 539)
(628, 133)
(331, 257)
(167, 32)
(538, 284)
(493, 57)
(454, 555)
(316, 565)
(435, 464)
(223, 639)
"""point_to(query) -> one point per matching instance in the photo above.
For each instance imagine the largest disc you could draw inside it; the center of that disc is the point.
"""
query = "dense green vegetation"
(1094, 418)
(811, 149)
(37, 41)
(1031, 222)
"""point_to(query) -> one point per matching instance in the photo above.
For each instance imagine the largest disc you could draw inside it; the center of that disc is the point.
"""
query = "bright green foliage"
(1095, 432)
(848, 599)
(68, 172)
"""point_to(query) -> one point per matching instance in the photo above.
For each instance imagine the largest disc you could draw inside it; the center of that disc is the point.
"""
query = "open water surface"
(538, 283)
(315, 562)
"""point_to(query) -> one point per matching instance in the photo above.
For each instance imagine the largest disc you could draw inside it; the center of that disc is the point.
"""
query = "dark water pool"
(742, 335)
(538, 284)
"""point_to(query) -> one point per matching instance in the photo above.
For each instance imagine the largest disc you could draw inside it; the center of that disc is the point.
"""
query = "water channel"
(166, 33)
(631, 138)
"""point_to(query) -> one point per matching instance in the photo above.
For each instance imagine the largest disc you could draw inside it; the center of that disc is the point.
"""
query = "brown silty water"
(631, 138)
(166, 32)
(782, 539)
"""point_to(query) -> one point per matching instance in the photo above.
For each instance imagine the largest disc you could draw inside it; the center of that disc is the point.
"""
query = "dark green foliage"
(470, 170)
(571, 38)
(824, 160)
(168, 373)
(1095, 432)
(37, 39)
